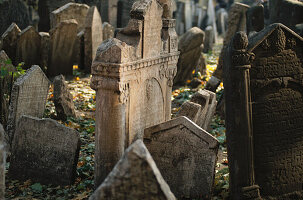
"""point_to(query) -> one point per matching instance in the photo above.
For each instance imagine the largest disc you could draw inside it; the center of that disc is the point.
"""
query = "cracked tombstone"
(45, 151)
(2, 162)
(135, 176)
(28, 97)
(186, 156)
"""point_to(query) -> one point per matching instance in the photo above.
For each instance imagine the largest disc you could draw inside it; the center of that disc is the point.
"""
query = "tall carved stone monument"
(264, 107)
(133, 75)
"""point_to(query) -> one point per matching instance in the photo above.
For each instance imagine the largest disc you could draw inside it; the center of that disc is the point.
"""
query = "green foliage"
(221, 184)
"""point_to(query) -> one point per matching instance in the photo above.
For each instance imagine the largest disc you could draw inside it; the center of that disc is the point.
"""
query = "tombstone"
(63, 99)
(211, 109)
(222, 16)
(124, 8)
(133, 77)
(108, 31)
(28, 97)
(70, 11)
(2, 163)
(45, 7)
(190, 47)
(209, 39)
(255, 19)
(29, 47)
(202, 98)
(81, 49)
(263, 131)
(135, 176)
(63, 43)
(186, 156)
(44, 49)
(211, 20)
(45, 151)
(109, 11)
(9, 41)
(190, 110)
(92, 36)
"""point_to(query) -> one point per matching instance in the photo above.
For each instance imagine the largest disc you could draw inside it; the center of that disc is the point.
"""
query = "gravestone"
(70, 11)
(108, 10)
(81, 50)
(9, 41)
(186, 156)
(62, 54)
(2, 163)
(45, 151)
(29, 47)
(92, 36)
(28, 97)
(209, 39)
(222, 17)
(108, 31)
(44, 49)
(255, 19)
(211, 109)
(124, 8)
(211, 19)
(190, 110)
(133, 75)
(63, 99)
(202, 98)
(190, 47)
(135, 176)
(264, 133)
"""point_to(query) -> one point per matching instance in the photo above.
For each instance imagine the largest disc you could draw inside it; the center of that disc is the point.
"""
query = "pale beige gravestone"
(133, 76)
(108, 31)
(29, 47)
(135, 176)
(92, 36)
(186, 156)
(9, 41)
(45, 151)
(63, 51)
(70, 11)
(28, 97)
(2, 163)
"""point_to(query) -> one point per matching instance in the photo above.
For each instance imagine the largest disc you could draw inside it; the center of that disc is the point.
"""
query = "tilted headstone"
(63, 52)
(63, 99)
(29, 47)
(186, 156)
(190, 47)
(92, 36)
(190, 110)
(28, 97)
(135, 176)
(45, 151)
(44, 49)
(202, 98)
(255, 19)
(2, 162)
(263, 128)
(133, 75)
(70, 11)
(108, 31)
(9, 41)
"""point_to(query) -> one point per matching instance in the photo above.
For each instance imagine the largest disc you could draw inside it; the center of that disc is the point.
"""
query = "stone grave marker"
(92, 36)
(70, 11)
(255, 19)
(209, 39)
(63, 42)
(222, 16)
(45, 151)
(264, 129)
(124, 8)
(133, 75)
(29, 47)
(2, 162)
(108, 31)
(135, 176)
(28, 97)
(202, 98)
(190, 110)
(212, 104)
(9, 41)
(186, 156)
(44, 49)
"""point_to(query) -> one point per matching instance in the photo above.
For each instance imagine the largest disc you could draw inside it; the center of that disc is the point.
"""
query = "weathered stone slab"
(44, 50)
(70, 11)
(28, 97)
(209, 39)
(2, 163)
(202, 98)
(63, 48)
(29, 47)
(92, 36)
(108, 31)
(190, 110)
(186, 156)
(135, 176)
(9, 41)
(45, 151)
(212, 104)
(63, 99)
(264, 132)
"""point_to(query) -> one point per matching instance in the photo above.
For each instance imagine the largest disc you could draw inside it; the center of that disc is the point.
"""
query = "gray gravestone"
(63, 48)
(9, 41)
(190, 110)
(209, 39)
(45, 151)
(186, 156)
(202, 98)
(108, 31)
(212, 104)
(135, 176)
(44, 49)
(2, 163)
(28, 97)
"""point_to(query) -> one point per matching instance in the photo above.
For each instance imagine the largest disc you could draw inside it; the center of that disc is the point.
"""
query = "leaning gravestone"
(263, 119)
(135, 176)
(186, 156)
(45, 151)
(70, 11)
(28, 97)
(9, 41)
(29, 47)
(202, 98)
(2, 163)
(92, 36)
(63, 48)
